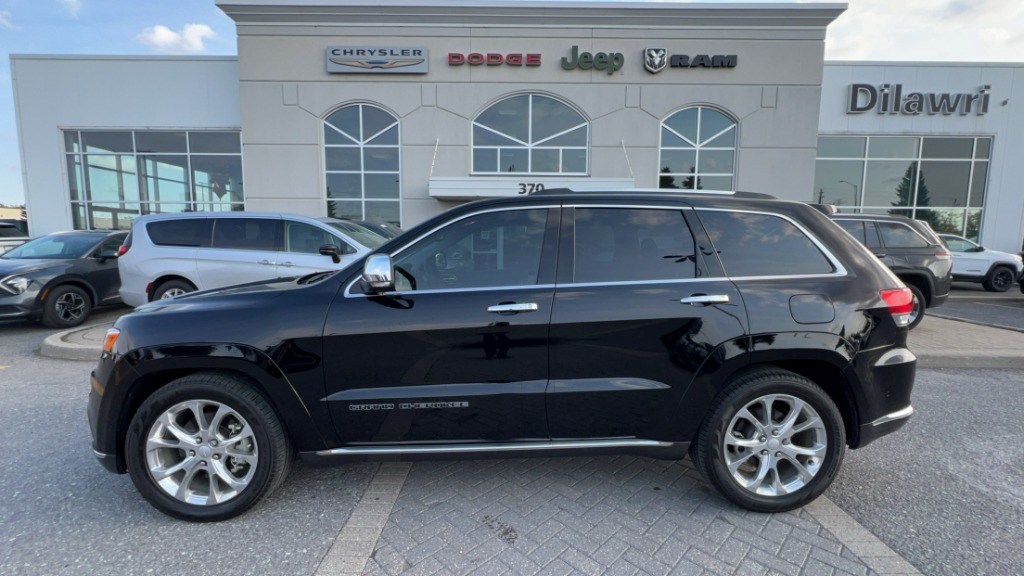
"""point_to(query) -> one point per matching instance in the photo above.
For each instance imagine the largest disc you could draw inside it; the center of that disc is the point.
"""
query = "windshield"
(361, 235)
(53, 247)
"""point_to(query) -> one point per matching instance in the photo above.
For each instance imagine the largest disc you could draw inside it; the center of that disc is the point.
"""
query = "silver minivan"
(167, 255)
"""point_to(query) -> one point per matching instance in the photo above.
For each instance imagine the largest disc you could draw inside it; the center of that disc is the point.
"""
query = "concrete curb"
(75, 344)
(872, 551)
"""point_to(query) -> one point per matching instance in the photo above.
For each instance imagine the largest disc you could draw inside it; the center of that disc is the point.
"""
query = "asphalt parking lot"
(971, 302)
(944, 493)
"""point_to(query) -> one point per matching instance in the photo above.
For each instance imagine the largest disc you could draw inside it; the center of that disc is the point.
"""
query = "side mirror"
(379, 273)
(331, 250)
(107, 255)
(976, 249)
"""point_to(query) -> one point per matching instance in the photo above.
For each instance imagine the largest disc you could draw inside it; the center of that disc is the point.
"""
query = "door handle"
(512, 308)
(265, 262)
(705, 299)
(285, 264)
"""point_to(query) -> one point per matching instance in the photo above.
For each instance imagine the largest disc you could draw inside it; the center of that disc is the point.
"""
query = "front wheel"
(206, 447)
(1000, 279)
(773, 441)
(66, 306)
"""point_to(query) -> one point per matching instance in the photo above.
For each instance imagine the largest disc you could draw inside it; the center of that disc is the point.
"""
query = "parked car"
(972, 262)
(13, 228)
(168, 255)
(385, 229)
(911, 249)
(59, 278)
(749, 332)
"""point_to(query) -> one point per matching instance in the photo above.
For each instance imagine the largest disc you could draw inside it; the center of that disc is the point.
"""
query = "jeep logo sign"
(609, 61)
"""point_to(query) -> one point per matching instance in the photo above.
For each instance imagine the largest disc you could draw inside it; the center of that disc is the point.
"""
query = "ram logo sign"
(655, 59)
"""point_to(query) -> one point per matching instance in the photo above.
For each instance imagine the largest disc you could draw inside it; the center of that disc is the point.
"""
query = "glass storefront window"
(114, 176)
(937, 179)
(363, 164)
(698, 150)
(531, 134)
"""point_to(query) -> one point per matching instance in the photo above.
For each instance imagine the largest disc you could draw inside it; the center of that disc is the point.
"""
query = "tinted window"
(896, 235)
(55, 246)
(490, 249)
(762, 245)
(958, 244)
(854, 227)
(183, 232)
(308, 239)
(619, 244)
(246, 233)
(871, 234)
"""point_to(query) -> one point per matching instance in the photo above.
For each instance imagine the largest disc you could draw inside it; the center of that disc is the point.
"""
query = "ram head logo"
(655, 59)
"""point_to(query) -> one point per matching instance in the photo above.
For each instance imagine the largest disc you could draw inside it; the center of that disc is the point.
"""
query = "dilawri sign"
(377, 59)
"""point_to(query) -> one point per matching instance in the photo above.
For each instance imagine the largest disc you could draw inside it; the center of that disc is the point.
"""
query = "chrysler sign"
(377, 59)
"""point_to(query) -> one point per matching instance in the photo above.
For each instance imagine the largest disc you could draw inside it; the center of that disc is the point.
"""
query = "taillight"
(944, 255)
(122, 250)
(900, 302)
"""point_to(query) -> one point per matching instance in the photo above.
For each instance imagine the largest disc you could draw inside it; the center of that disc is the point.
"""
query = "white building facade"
(395, 111)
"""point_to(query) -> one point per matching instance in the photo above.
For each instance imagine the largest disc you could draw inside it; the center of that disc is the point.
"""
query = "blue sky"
(972, 30)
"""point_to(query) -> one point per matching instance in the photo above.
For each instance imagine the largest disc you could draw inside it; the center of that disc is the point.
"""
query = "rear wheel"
(66, 307)
(773, 441)
(917, 312)
(206, 447)
(1000, 279)
(172, 288)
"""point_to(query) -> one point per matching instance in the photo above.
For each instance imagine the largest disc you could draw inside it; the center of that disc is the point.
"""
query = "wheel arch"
(76, 281)
(167, 277)
(144, 371)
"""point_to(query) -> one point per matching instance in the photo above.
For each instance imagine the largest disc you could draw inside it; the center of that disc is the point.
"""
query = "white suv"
(167, 255)
(974, 263)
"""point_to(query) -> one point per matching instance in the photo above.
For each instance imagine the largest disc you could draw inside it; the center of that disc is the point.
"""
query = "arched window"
(531, 134)
(698, 150)
(361, 156)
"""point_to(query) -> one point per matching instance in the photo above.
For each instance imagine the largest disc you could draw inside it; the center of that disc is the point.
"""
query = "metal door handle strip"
(705, 299)
(503, 308)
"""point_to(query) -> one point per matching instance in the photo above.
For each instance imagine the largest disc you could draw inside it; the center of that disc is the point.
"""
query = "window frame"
(360, 145)
(528, 146)
(697, 148)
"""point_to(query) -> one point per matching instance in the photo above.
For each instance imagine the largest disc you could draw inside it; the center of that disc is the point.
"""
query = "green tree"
(905, 197)
(666, 181)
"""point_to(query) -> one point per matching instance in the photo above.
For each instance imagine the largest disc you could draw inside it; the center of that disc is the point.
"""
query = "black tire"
(999, 279)
(275, 452)
(66, 306)
(175, 285)
(708, 449)
(919, 306)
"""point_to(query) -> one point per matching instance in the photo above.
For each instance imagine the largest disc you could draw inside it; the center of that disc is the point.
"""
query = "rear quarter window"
(897, 235)
(762, 245)
(191, 232)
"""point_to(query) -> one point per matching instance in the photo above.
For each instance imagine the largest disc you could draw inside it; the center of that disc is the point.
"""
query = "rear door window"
(631, 244)
(897, 235)
(755, 244)
(855, 228)
(247, 234)
(192, 232)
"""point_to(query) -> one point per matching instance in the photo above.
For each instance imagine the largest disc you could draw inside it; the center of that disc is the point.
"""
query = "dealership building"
(397, 110)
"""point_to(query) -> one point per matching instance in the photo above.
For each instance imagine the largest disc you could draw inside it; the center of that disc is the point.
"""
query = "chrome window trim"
(840, 270)
(350, 294)
(494, 447)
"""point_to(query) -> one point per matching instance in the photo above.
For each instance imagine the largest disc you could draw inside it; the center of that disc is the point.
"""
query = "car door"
(458, 352)
(102, 272)
(909, 250)
(965, 261)
(637, 314)
(243, 250)
(301, 252)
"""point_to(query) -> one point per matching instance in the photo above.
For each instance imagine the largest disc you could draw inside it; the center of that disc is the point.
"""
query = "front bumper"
(20, 306)
(103, 419)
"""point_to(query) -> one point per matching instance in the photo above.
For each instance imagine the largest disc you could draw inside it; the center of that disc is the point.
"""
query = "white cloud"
(5, 20)
(71, 6)
(928, 30)
(189, 39)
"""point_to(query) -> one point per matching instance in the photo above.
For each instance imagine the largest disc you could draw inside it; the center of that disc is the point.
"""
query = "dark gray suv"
(911, 250)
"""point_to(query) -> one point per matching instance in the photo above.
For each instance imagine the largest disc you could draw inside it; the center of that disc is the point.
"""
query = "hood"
(239, 296)
(9, 266)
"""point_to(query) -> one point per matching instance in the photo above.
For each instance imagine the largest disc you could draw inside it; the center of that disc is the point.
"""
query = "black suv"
(748, 332)
(911, 249)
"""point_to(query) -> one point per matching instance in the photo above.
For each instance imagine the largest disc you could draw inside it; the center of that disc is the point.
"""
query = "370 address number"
(530, 187)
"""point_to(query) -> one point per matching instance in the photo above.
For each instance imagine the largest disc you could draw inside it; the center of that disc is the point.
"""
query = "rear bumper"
(939, 299)
(884, 425)
(886, 379)
(133, 298)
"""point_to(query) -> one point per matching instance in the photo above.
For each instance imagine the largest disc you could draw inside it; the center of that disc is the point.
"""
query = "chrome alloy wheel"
(172, 293)
(915, 311)
(201, 452)
(70, 306)
(775, 445)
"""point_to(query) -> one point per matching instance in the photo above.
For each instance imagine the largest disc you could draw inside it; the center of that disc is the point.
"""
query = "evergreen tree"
(666, 181)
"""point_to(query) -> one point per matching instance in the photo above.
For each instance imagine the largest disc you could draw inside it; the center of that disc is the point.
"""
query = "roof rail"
(657, 191)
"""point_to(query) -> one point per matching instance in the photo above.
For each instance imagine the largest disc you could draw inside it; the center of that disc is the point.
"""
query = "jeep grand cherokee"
(750, 333)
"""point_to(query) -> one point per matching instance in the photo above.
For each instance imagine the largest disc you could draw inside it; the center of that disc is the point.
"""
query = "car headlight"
(16, 284)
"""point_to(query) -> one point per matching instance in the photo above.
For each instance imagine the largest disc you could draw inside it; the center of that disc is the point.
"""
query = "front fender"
(127, 380)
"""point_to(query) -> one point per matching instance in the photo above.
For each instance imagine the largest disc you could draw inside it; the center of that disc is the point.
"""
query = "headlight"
(16, 284)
